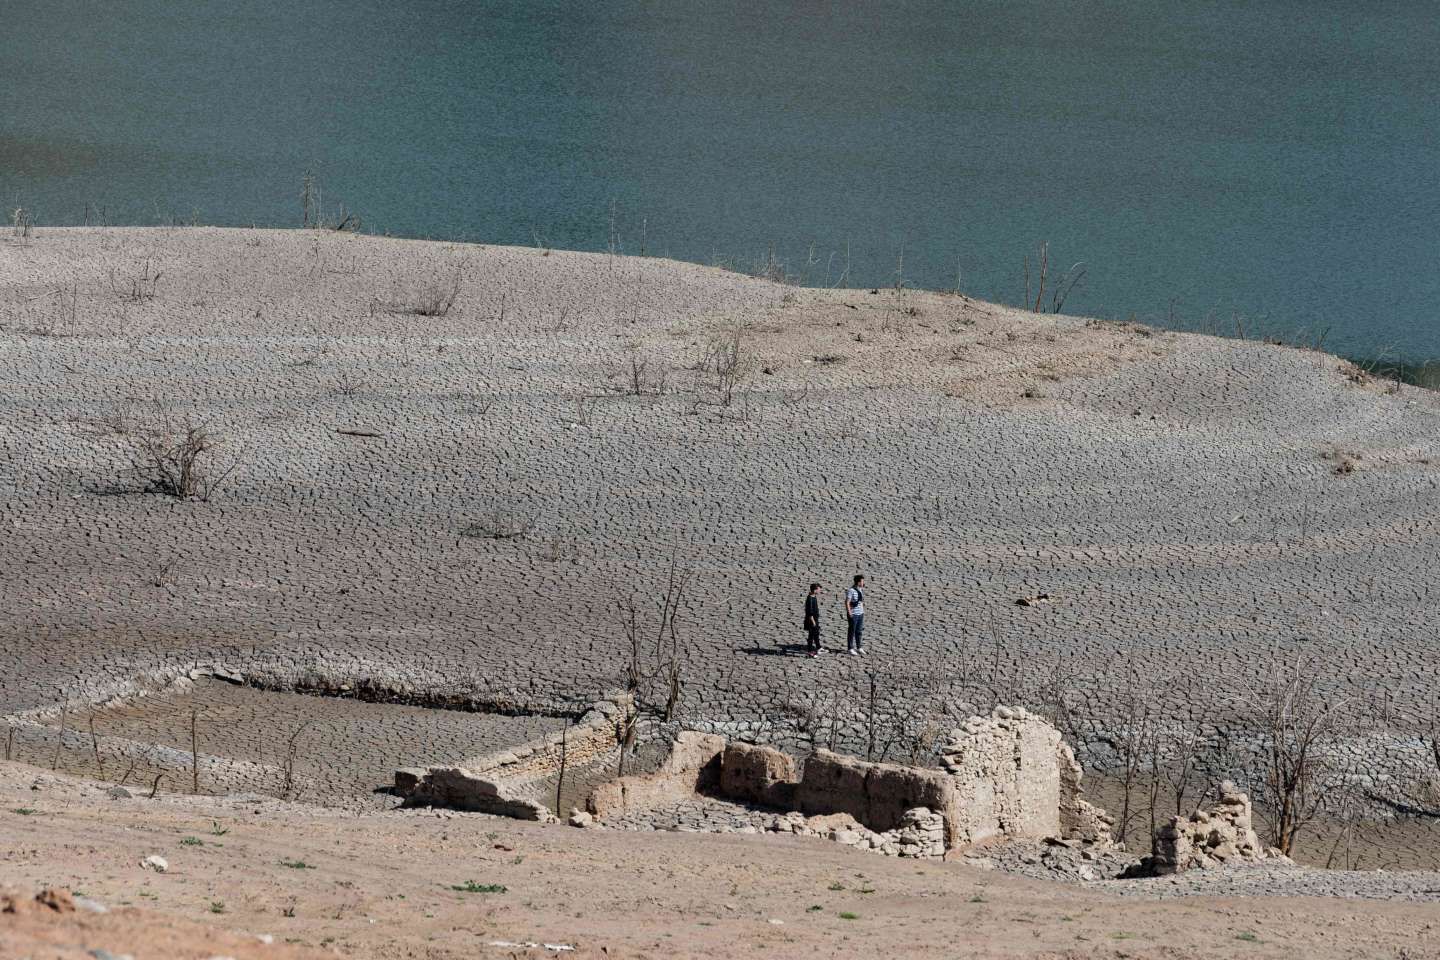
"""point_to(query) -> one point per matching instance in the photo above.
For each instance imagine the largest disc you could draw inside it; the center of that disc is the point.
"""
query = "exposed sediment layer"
(1183, 503)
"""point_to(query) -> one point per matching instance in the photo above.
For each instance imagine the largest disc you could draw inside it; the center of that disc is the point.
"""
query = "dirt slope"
(383, 885)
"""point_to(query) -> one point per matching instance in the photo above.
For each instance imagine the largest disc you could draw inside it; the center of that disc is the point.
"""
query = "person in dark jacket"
(812, 621)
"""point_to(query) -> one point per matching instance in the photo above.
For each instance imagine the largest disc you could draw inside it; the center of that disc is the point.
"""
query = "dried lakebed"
(459, 500)
(274, 743)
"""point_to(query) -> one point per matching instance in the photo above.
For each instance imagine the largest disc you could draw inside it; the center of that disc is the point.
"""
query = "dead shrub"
(22, 224)
(435, 297)
(176, 459)
(501, 522)
(1299, 725)
(138, 287)
(729, 359)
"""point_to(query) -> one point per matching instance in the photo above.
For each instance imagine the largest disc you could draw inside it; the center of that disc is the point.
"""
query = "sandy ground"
(383, 885)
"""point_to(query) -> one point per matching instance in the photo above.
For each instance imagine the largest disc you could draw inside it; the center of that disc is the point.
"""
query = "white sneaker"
(854, 653)
(862, 651)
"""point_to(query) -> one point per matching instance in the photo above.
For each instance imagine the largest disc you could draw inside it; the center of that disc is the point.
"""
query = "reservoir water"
(1272, 163)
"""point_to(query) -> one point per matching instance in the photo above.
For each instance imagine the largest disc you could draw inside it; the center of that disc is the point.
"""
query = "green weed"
(470, 886)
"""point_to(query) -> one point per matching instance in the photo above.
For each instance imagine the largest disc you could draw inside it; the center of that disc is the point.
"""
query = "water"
(1277, 160)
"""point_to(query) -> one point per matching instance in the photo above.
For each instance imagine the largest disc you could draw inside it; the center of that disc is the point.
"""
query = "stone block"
(756, 774)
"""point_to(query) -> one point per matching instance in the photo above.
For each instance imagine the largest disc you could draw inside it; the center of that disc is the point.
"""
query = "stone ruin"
(505, 782)
(1008, 775)
(1220, 836)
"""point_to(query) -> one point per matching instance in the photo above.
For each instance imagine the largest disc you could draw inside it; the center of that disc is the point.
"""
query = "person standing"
(855, 616)
(812, 621)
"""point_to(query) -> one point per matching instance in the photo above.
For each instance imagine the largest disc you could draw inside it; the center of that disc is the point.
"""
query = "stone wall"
(501, 782)
(759, 775)
(877, 795)
(1015, 777)
(692, 767)
(1008, 775)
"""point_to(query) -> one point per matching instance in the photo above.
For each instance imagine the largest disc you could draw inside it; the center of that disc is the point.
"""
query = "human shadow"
(779, 650)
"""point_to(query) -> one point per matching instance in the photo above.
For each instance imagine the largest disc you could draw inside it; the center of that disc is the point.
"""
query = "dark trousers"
(812, 637)
(855, 632)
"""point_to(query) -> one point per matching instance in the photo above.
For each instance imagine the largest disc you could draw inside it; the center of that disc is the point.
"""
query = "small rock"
(157, 863)
(90, 906)
(118, 793)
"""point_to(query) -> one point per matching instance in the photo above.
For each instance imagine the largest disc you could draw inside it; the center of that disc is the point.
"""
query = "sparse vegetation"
(22, 224)
(728, 358)
(434, 296)
(664, 657)
(176, 459)
(137, 287)
(501, 522)
(470, 886)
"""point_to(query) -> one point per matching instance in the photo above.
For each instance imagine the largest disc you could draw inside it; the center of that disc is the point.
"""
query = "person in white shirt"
(855, 616)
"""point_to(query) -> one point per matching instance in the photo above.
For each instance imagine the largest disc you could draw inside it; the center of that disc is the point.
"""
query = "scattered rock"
(154, 862)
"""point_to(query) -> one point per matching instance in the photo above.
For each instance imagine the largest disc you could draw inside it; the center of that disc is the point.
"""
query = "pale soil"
(379, 885)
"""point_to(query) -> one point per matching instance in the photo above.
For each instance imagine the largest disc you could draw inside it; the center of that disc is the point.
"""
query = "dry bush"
(1298, 724)
(22, 224)
(176, 459)
(312, 207)
(646, 377)
(63, 319)
(437, 296)
(501, 522)
(138, 287)
(657, 648)
(1070, 281)
(434, 296)
(729, 359)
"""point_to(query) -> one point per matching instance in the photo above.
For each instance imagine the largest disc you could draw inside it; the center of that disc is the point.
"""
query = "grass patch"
(470, 886)
(1248, 936)
(814, 908)
(25, 811)
(297, 865)
(217, 906)
(847, 915)
(191, 842)
(836, 885)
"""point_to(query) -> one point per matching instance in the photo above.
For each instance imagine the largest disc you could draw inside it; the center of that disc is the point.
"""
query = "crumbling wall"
(1221, 835)
(497, 782)
(1079, 818)
(692, 767)
(1007, 773)
(758, 775)
(875, 794)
